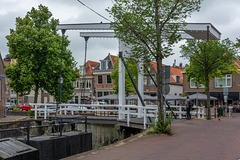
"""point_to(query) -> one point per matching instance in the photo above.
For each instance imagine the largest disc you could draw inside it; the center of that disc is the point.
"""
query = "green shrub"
(162, 126)
(31, 113)
(15, 109)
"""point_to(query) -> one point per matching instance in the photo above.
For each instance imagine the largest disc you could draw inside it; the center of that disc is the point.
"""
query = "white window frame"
(76, 84)
(192, 84)
(88, 84)
(225, 78)
(82, 84)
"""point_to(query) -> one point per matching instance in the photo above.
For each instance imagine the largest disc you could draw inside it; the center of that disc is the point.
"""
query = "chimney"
(180, 65)
(174, 64)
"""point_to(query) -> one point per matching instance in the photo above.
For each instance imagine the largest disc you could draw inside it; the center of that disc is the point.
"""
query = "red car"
(25, 106)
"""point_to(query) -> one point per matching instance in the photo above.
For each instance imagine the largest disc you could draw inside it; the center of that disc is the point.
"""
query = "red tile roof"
(237, 62)
(173, 71)
(91, 65)
(113, 58)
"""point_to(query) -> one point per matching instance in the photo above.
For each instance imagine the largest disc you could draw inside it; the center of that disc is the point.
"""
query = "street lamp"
(60, 80)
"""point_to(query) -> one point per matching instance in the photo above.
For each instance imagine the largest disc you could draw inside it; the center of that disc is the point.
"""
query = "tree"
(209, 59)
(36, 46)
(131, 63)
(151, 27)
(20, 86)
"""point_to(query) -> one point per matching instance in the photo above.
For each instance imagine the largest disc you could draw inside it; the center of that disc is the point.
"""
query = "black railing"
(58, 122)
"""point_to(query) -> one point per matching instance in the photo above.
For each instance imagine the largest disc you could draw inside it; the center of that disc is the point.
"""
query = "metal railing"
(126, 111)
(58, 122)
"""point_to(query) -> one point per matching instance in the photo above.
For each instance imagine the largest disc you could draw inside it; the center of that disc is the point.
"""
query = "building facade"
(217, 85)
(103, 83)
(84, 86)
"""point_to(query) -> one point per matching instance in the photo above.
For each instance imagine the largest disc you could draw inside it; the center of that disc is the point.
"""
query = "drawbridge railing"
(119, 111)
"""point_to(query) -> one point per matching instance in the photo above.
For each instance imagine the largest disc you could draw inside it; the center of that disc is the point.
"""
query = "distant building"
(84, 86)
(232, 82)
(175, 81)
(103, 82)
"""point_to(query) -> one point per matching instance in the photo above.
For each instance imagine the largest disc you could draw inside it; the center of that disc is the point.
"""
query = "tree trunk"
(36, 93)
(159, 88)
(208, 98)
(159, 62)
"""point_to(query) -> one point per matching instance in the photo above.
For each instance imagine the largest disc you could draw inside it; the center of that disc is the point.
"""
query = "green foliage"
(151, 29)
(209, 59)
(162, 126)
(15, 109)
(36, 46)
(131, 63)
(31, 113)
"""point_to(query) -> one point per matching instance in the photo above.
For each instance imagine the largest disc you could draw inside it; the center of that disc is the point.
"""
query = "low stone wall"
(17, 113)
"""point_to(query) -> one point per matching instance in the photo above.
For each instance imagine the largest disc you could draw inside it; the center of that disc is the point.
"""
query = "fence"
(27, 125)
(123, 112)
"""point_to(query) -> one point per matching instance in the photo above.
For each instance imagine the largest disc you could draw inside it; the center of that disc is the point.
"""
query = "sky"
(223, 14)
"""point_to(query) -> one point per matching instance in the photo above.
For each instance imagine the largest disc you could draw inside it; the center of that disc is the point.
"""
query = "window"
(193, 85)
(76, 84)
(151, 81)
(225, 81)
(88, 84)
(145, 80)
(106, 93)
(100, 80)
(103, 65)
(177, 79)
(82, 83)
(76, 99)
(99, 94)
(109, 79)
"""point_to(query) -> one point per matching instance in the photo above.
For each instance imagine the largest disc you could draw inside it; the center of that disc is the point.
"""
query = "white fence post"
(35, 112)
(45, 112)
(144, 118)
(180, 112)
(128, 116)
(203, 109)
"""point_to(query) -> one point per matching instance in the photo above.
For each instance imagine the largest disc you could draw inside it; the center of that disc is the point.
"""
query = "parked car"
(9, 105)
(25, 106)
(52, 105)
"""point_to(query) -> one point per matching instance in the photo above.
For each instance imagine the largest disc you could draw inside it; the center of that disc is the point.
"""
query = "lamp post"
(60, 80)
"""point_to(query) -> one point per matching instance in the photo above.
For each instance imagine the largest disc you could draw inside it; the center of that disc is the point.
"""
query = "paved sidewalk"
(193, 140)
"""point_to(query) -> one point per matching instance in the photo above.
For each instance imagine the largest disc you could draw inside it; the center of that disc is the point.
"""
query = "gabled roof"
(173, 71)
(90, 66)
(110, 66)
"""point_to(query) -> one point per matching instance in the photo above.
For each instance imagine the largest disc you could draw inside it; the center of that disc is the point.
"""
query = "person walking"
(230, 110)
(188, 108)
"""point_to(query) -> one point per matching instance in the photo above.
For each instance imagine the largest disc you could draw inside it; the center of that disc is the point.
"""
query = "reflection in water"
(102, 134)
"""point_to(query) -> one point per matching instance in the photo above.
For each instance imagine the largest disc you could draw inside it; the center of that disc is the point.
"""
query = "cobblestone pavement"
(192, 140)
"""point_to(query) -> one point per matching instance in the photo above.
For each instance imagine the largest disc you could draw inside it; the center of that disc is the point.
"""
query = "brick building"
(103, 83)
(84, 86)
(232, 82)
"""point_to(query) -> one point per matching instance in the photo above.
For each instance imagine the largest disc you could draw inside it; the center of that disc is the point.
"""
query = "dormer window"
(104, 65)
(177, 79)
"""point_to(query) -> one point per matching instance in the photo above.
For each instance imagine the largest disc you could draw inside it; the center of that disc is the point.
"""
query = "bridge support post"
(140, 88)
(121, 82)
